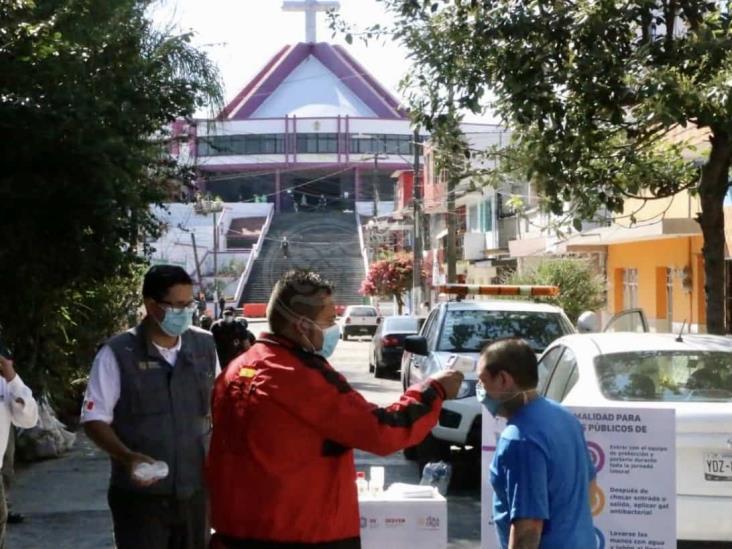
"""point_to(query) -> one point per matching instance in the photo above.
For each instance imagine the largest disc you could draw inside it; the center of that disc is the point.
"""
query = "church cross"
(311, 8)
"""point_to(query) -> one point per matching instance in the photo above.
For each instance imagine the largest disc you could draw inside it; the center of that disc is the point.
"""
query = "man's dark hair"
(297, 293)
(161, 278)
(513, 356)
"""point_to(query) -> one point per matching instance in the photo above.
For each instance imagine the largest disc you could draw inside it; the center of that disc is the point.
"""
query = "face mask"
(176, 322)
(330, 340)
(331, 336)
(493, 405)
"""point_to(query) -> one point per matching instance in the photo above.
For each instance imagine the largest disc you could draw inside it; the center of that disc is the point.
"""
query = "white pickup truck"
(359, 320)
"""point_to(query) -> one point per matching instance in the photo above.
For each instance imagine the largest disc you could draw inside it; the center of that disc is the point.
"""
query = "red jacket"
(280, 466)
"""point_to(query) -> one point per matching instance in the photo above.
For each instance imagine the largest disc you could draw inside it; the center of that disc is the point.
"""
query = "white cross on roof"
(311, 8)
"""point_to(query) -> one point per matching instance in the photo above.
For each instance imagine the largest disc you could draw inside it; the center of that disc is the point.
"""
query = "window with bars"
(230, 145)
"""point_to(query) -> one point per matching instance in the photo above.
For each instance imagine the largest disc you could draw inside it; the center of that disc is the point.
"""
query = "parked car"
(387, 346)
(464, 328)
(691, 374)
(359, 320)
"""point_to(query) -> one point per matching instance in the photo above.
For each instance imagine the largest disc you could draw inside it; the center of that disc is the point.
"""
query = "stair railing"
(244, 278)
(364, 252)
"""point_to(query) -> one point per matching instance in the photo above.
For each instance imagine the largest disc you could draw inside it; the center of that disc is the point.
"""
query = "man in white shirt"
(18, 407)
(148, 400)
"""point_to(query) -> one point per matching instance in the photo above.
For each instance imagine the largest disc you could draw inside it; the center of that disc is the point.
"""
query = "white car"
(463, 328)
(691, 374)
(359, 320)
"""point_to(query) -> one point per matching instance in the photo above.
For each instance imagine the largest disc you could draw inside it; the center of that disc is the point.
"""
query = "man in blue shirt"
(541, 472)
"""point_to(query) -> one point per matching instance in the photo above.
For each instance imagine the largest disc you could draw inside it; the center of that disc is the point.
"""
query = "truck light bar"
(463, 290)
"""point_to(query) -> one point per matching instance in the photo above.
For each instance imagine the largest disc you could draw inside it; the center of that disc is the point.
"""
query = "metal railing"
(364, 252)
(253, 257)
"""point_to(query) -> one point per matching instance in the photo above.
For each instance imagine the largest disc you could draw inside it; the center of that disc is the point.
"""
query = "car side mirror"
(416, 345)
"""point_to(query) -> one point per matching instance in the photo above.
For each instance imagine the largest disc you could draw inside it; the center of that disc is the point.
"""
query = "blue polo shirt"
(542, 470)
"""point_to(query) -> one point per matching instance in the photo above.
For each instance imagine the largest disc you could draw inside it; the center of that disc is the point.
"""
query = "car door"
(563, 377)
(628, 320)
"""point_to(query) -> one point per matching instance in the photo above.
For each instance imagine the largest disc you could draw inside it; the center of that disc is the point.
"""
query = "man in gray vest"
(148, 406)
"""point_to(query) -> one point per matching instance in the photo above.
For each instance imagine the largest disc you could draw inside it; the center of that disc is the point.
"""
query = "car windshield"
(470, 330)
(678, 376)
(362, 311)
(405, 324)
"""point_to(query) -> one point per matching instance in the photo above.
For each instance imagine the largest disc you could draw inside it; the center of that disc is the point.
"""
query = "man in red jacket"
(280, 467)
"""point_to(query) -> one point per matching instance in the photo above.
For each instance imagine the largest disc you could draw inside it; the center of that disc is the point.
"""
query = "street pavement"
(65, 505)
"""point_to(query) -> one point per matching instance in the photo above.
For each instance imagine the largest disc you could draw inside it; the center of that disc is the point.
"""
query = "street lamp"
(205, 206)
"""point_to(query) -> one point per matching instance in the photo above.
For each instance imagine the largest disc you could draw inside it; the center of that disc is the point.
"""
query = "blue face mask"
(176, 322)
(331, 336)
(493, 405)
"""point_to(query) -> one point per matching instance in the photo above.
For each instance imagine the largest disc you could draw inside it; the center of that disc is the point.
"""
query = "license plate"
(363, 330)
(718, 467)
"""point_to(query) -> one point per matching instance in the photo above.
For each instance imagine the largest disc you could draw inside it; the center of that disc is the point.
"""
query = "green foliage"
(88, 88)
(593, 91)
(580, 287)
(91, 314)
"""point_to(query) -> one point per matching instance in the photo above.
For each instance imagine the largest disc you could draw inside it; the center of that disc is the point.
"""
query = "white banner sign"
(634, 453)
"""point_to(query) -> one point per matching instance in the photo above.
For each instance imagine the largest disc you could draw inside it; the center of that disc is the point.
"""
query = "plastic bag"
(437, 474)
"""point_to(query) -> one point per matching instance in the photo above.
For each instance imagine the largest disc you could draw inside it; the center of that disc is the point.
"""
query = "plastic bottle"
(437, 474)
(361, 485)
(376, 483)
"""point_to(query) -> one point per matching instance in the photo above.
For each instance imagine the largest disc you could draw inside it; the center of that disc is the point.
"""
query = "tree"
(592, 91)
(580, 287)
(88, 88)
(389, 278)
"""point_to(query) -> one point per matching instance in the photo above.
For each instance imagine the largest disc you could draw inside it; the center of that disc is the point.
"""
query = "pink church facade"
(312, 123)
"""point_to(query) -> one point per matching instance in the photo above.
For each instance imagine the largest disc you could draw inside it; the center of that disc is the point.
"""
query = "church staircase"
(325, 242)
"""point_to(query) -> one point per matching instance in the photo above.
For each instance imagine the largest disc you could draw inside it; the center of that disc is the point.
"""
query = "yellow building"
(651, 254)
(656, 263)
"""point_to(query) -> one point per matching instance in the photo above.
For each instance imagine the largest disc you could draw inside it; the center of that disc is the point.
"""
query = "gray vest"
(164, 410)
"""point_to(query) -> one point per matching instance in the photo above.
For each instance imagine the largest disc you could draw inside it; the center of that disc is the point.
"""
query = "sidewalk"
(64, 502)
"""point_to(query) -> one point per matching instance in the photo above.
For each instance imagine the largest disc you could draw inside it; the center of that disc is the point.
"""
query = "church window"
(314, 143)
(223, 145)
(380, 143)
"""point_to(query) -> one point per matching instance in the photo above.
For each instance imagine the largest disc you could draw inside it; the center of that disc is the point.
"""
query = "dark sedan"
(387, 346)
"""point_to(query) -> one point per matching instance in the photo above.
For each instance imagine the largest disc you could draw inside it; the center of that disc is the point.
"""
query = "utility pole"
(215, 265)
(375, 183)
(416, 241)
(451, 230)
(195, 258)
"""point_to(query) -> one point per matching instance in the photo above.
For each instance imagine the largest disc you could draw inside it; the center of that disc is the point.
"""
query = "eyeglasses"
(170, 307)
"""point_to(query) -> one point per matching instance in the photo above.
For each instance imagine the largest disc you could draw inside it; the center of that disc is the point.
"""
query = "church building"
(312, 129)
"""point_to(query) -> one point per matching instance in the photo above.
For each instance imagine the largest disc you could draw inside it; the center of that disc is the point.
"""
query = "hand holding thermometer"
(461, 363)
